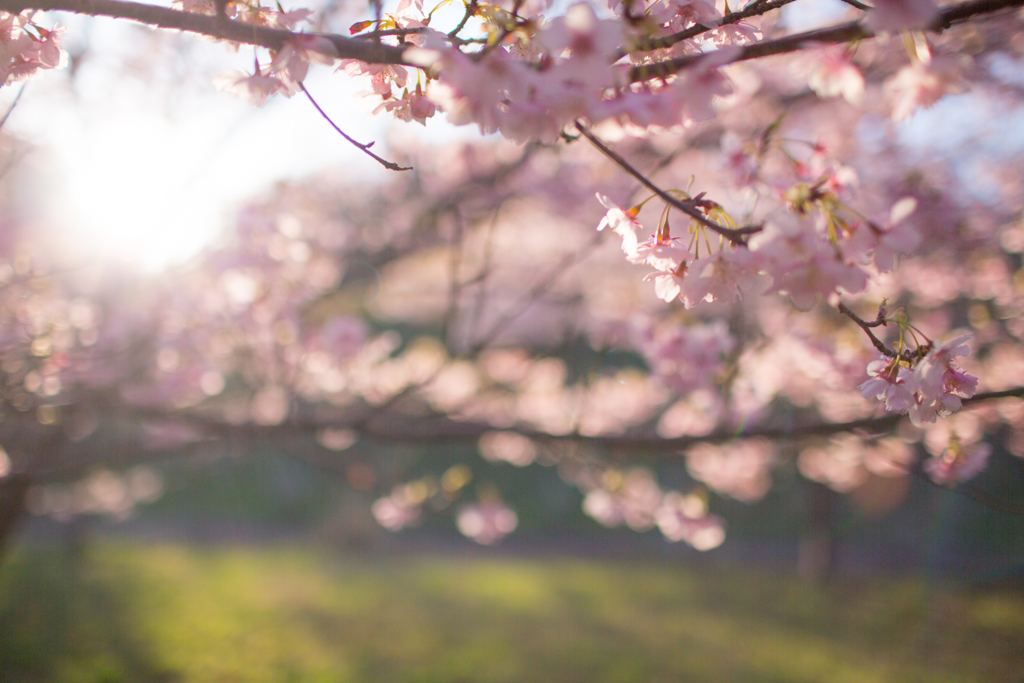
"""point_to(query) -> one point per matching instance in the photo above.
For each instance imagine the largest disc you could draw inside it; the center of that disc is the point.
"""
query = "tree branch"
(737, 236)
(211, 26)
(365, 148)
(842, 33)
(755, 8)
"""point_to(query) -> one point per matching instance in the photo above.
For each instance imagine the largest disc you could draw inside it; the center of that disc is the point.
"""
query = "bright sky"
(150, 171)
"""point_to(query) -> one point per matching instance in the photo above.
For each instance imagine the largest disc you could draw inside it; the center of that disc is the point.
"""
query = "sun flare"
(134, 193)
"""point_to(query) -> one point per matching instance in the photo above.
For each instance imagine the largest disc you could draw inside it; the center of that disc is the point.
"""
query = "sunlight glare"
(133, 196)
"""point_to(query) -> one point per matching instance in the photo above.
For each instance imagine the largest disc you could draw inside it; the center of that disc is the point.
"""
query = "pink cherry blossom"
(382, 76)
(291, 19)
(622, 222)
(256, 88)
(686, 358)
(632, 499)
(834, 73)
(804, 265)
(412, 106)
(888, 383)
(685, 518)
(676, 15)
(938, 373)
(396, 512)
(486, 523)
(292, 62)
(958, 463)
(922, 85)
(901, 15)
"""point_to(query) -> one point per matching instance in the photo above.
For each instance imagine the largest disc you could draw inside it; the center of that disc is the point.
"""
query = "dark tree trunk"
(13, 491)
(817, 556)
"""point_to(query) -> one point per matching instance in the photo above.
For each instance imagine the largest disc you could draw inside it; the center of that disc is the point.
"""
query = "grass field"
(178, 613)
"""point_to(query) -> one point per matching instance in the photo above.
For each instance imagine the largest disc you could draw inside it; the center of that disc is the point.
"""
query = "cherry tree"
(724, 200)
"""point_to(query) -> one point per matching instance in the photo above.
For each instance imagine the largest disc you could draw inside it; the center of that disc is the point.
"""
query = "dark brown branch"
(753, 9)
(211, 26)
(866, 326)
(412, 30)
(471, 7)
(737, 236)
(390, 165)
(387, 429)
(842, 33)
(875, 341)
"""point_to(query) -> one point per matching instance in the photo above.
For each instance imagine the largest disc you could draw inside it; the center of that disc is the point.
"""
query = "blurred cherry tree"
(764, 266)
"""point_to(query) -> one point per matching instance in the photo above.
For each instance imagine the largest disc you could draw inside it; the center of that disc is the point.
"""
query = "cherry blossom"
(922, 85)
(685, 518)
(255, 88)
(486, 523)
(623, 223)
(958, 463)
(25, 47)
(834, 73)
(888, 383)
(902, 15)
(292, 62)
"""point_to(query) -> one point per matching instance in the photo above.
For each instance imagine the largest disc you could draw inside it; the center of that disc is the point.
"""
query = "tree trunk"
(817, 554)
(13, 491)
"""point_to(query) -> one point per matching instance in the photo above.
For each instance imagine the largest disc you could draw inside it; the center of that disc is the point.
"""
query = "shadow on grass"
(168, 612)
(61, 619)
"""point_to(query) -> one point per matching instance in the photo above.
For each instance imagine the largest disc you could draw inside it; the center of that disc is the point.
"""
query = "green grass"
(176, 613)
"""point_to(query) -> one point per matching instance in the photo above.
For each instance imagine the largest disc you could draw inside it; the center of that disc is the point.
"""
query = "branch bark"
(13, 491)
(841, 33)
(210, 26)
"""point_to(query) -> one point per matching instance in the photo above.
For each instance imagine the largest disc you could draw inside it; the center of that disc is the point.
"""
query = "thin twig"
(13, 104)
(875, 341)
(484, 274)
(470, 11)
(390, 165)
(859, 5)
(736, 236)
(412, 30)
(455, 285)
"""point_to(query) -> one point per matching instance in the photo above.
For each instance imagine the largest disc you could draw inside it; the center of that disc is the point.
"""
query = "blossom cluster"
(925, 386)
(809, 252)
(535, 75)
(634, 498)
(26, 47)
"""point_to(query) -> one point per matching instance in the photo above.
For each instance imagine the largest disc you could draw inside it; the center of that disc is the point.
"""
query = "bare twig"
(485, 271)
(537, 291)
(875, 341)
(412, 30)
(13, 104)
(455, 284)
(470, 11)
(390, 165)
(737, 236)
